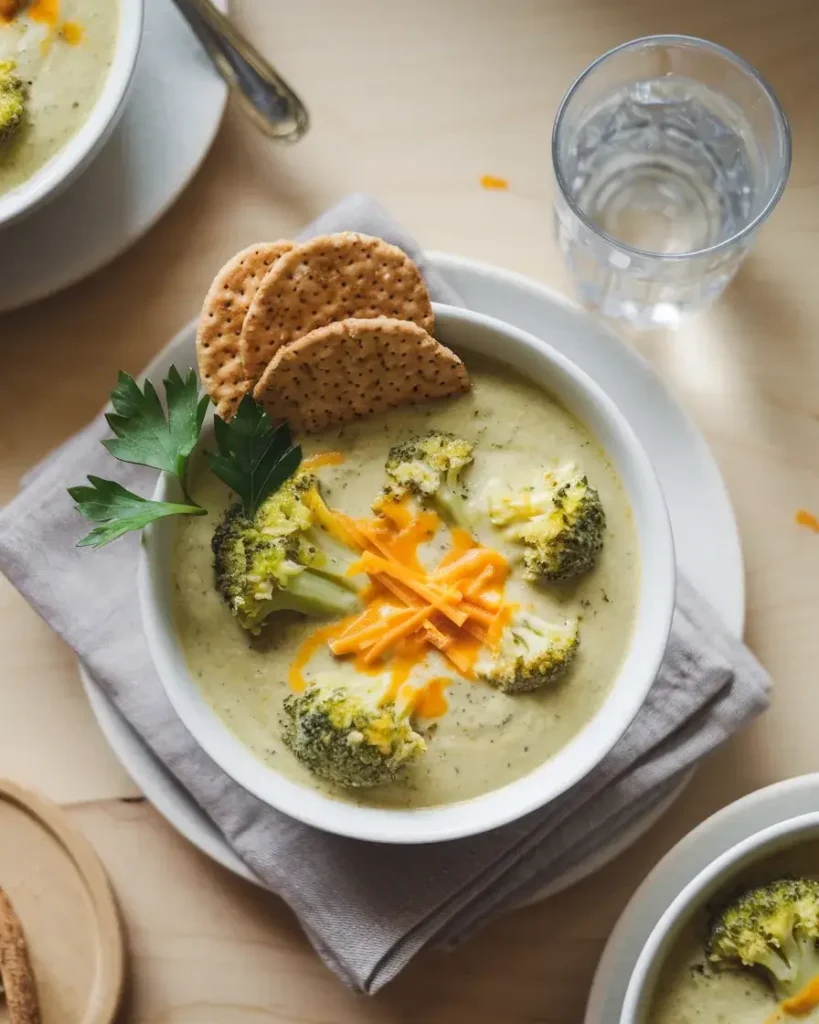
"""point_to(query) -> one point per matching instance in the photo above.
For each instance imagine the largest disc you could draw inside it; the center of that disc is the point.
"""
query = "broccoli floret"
(532, 653)
(772, 929)
(430, 467)
(279, 560)
(342, 734)
(12, 99)
(561, 525)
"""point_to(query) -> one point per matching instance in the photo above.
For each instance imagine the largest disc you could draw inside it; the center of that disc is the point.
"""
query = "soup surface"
(63, 51)
(687, 993)
(486, 738)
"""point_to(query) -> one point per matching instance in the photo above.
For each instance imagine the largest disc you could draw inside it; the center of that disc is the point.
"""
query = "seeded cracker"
(221, 320)
(331, 278)
(15, 968)
(357, 368)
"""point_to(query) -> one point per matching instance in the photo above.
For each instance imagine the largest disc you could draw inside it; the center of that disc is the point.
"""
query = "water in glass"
(668, 166)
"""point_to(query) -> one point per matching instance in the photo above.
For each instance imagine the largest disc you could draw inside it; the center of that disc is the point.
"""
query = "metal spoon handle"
(264, 94)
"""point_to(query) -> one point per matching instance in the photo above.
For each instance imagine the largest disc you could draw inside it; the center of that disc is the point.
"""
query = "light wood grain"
(413, 104)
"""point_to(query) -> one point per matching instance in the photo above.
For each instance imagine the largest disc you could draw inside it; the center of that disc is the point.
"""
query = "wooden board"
(61, 895)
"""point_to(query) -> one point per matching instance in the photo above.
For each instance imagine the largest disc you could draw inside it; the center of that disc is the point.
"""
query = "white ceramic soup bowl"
(699, 891)
(467, 333)
(81, 148)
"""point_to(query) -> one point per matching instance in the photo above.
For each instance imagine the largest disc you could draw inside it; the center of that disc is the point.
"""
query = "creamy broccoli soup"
(477, 736)
(61, 52)
(691, 991)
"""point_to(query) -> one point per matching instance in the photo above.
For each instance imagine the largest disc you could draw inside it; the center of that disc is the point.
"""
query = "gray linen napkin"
(367, 908)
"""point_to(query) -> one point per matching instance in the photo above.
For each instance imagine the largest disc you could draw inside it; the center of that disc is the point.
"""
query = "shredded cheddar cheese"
(805, 518)
(457, 609)
(803, 1002)
(427, 701)
(489, 181)
(45, 11)
(321, 459)
(72, 32)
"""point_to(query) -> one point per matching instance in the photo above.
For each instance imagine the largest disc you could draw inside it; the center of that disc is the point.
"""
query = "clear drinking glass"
(669, 153)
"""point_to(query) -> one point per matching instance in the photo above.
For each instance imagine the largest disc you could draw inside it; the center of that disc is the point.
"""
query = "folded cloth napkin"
(367, 908)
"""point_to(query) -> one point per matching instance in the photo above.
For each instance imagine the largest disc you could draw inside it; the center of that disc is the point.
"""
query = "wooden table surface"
(413, 103)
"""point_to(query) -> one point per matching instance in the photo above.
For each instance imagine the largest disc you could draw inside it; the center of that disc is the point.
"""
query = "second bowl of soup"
(740, 944)
(65, 69)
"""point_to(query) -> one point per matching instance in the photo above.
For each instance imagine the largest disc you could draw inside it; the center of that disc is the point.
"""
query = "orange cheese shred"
(500, 621)
(462, 541)
(436, 636)
(317, 639)
(336, 524)
(475, 587)
(806, 1000)
(404, 545)
(429, 700)
(371, 563)
(489, 181)
(456, 608)
(45, 11)
(474, 611)
(463, 653)
(354, 639)
(398, 512)
(470, 564)
(72, 32)
(805, 518)
(373, 536)
(392, 636)
(397, 590)
(320, 459)
(407, 654)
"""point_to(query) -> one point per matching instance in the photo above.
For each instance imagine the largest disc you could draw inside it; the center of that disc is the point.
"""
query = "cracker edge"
(364, 324)
(358, 236)
(216, 286)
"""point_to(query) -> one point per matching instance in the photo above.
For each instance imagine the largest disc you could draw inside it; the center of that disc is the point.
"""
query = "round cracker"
(354, 368)
(331, 278)
(220, 322)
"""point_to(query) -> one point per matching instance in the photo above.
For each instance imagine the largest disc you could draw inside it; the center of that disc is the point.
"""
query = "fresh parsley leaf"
(120, 510)
(255, 455)
(144, 434)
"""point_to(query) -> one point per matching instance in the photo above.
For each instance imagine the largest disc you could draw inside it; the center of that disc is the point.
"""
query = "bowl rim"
(67, 163)
(756, 847)
(521, 796)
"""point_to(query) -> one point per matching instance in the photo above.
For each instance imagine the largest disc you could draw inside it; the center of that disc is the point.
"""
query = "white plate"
(707, 544)
(175, 107)
(680, 865)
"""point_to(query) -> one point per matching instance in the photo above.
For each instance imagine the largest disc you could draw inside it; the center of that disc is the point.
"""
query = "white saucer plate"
(681, 865)
(707, 543)
(174, 109)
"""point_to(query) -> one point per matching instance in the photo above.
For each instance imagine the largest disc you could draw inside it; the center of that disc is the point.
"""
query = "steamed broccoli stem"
(311, 593)
(332, 559)
(279, 560)
(773, 929)
(803, 956)
(450, 501)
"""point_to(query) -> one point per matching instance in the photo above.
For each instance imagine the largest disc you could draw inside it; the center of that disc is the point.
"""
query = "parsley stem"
(183, 483)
